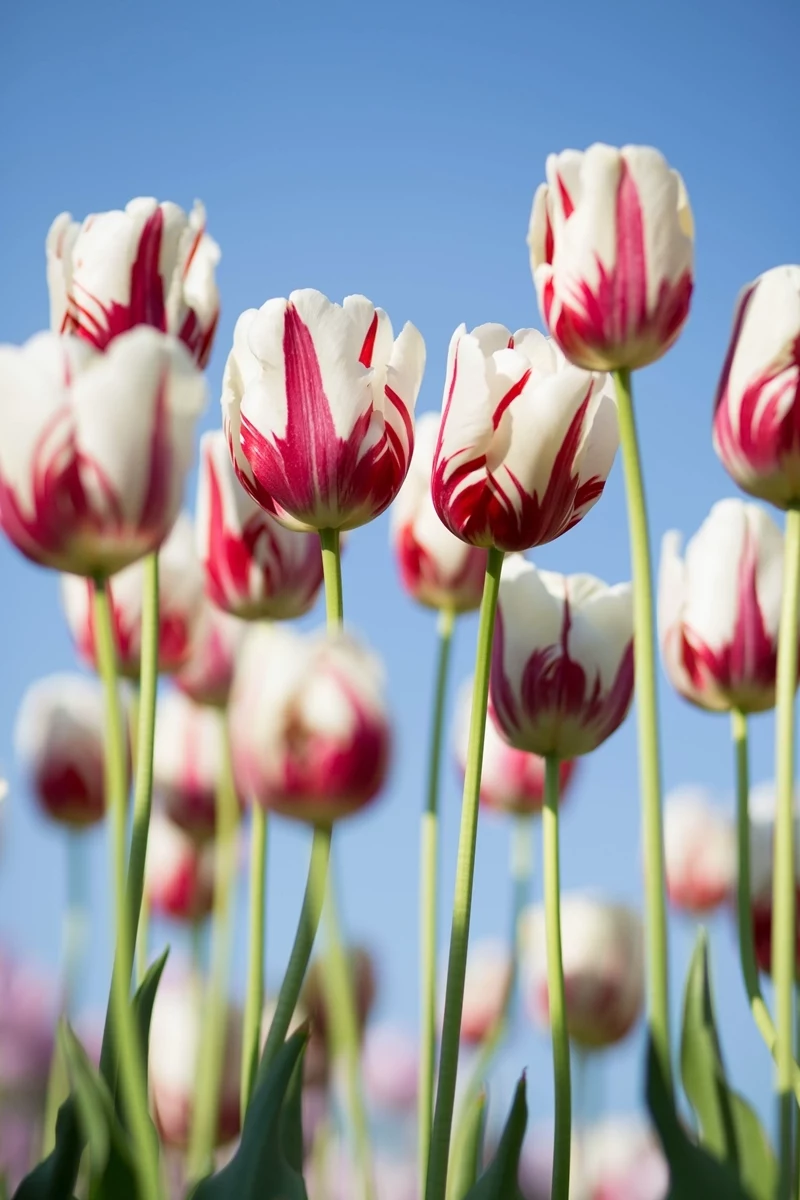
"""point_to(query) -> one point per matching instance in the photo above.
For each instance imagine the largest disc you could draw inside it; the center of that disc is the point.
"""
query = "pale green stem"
(254, 997)
(644, 648)
(126, 1041)
(429, 896)
(784, 888)
(555, 985)
(332, 569)
(75, 921)
(462, 905)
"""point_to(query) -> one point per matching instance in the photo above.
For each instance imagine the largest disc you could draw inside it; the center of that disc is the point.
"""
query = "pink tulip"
(207, 675)
(179, 873)
(27, 1029)
(699, 852)
(390, 1065)
(188, 761)
(622, 1160)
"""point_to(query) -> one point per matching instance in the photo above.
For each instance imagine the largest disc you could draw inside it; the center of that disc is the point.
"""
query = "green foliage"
(54, 1178)
(465, 1161)
(500, 1180)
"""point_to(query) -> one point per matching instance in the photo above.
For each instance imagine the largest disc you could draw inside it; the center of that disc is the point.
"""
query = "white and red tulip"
(390, 1065)
(309, 728)
(612, 248)
(95, 447)
(719, 609)
(699, 851)
(436, 568)
(148, 264)
(526, 440)
(762, 839)
(757, 406)
(254, 567)
(488, 980)
(180, 600)
(318, 403)
(179, 872)
(562, 661)
(207, 674)
(621, 1159)
(188, 761)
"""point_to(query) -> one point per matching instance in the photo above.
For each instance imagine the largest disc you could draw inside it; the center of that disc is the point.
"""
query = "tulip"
(318, 402)
(308, 724)
(27, 1024)
(757, 405)
(562, 662)
(622, 1160)
(536, 1167)
(92, 478)
(179, 872)
(390, 1063)
(436, 568)
(60, 740)
(526, 441)
(207, 675)
(180, 598)
(719, 609)
(175, 1039)
(314, 997)
(699, 852)
(188, 760)
(488, 981)
(254, 567)
(611, 240)
(603, 954)
(762, 843)
(151, 264)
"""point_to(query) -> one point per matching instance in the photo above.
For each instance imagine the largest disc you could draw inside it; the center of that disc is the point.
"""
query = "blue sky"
(394, 150)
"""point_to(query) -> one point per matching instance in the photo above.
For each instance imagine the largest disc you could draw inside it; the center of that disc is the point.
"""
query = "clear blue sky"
(394, 150)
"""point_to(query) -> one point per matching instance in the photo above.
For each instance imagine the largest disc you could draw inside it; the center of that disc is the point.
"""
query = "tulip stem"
(254, 999)
(205, 1122)
(429, 895)
(784, 952)
(75, 920)
(127, 1047)
(332, 572)
(143, 939)
(647, 716)
(555, 984)
(462, 904)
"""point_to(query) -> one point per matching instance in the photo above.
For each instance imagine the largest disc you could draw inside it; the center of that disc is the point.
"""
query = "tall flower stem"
(332, 570)
(126, 1040)
(555, 985)
(784, 951)
(215, 1008)
(75, 920)
(429, 895)
(462, 905)
(644, 649)
(254, 997)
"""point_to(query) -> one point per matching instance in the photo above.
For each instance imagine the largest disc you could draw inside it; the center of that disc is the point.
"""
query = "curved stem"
(784, 951)
(462, 905)
(429, 896)
(126, 1039)
(555, 985)
(647, 717)
(254, 999)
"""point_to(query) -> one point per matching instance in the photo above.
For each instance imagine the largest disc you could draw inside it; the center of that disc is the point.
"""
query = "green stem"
(429, 896)
(462, 905)
(254, 998)
(126, 1040)
(784, 889)
(75, 920)
(644, 647)
(555, 985)
(143, 939)
(332, 570)
(215, 1015)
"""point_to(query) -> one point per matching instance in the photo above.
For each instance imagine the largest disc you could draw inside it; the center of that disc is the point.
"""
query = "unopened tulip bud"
(179, 872)
(207, 675)
(188, 761)
(699, 851)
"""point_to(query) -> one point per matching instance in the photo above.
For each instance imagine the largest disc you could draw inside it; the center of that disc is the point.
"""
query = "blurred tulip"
(188, 761)
(719, 609)
(536, 1167)
(175, 1034)
(179, 873)
(395, 1179)
(603, 953)
(762, 837)
(612, 248)
(757, 405)
(59, 739)
(526, 441)
(254, 567)
(390, 1066)
(699, 851)
(562, 662)
(207, 675)
(308, 723)
(315, 1059)
(180, 598)
(488, 980)
(149, 264)
(27, 1028)
(436, 568)
(622, 1160)
(314, 1000)
(91, 479)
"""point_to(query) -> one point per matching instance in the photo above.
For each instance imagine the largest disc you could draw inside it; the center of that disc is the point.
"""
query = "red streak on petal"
(367, 350)
(510, 395)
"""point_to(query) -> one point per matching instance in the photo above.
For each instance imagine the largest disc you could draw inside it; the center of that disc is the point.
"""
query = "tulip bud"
(59, 738)
(526, 441)
(699, 851)
(207, 675)
(179, 872)
(562, 662)
(437, 568)
(487, 983)
(612, 248)
(762, 837)
(719, 609)
(390, 1065)
(92, 478)
(180, 598)
(603, 954)
(623, 1160)
(254, 567)
(150, 264)
(308, 724)
(188, 761)
(318, 403)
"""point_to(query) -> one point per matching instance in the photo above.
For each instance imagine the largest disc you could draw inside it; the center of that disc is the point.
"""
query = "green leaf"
(501, 1179)
(260, 1169)
(292, 1120)
(467, 1154)
(143, 1002)
(729, 1128)
(54, 1178)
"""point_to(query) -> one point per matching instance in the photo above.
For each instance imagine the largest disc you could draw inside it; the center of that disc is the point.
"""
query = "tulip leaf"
(292, 1120)
(729, 1129)
(500, 1181)
(54, 1178)
(467, 1155)
(143, 1002)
